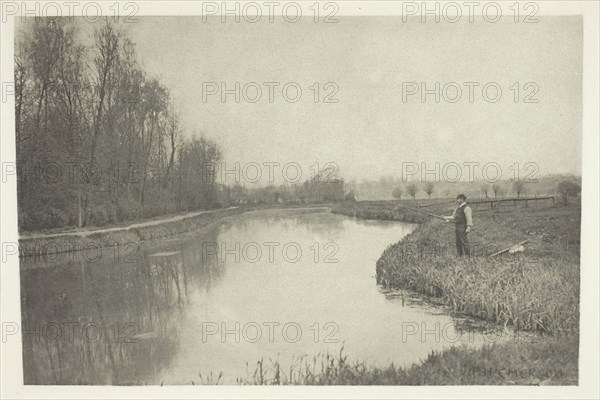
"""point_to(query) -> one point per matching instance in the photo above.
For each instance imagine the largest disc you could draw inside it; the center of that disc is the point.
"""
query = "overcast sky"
(370, 131)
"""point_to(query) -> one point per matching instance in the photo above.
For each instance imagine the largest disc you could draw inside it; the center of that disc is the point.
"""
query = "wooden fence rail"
(493, 201)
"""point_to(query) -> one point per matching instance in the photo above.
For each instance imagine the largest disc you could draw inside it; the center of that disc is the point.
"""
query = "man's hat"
(461, 196)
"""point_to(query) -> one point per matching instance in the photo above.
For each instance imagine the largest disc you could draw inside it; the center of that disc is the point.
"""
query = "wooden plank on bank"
(507, 249)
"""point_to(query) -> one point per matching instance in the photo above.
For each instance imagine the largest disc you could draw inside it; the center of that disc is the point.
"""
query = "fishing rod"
(424, 212)
(514, 248)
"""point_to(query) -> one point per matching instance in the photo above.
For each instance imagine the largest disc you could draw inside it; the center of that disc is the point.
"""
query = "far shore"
(66, 241)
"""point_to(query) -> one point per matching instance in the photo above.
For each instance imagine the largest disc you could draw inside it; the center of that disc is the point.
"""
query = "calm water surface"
(272, 285)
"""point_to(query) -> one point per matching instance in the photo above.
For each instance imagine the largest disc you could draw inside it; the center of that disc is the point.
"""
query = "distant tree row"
(314, 190)
(565, 188)
(412, 189)
(98, 140)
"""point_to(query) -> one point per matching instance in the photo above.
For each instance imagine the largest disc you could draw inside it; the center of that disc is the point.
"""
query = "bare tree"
(497, 189)
(568, 188)
(174, 131)
(519, 188)
(485, 188)
(428, 189)
(412, 189)
(107, 46)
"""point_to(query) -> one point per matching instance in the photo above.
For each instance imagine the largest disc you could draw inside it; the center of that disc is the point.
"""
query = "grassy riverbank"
(534, 290)
(551, 362)
(537, 289)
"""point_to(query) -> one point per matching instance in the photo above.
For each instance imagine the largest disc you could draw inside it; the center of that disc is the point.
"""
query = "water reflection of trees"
(119, 321)
(140, 302)
(318, 221)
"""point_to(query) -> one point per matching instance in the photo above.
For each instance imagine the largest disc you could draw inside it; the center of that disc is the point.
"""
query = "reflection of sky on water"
(178, 290)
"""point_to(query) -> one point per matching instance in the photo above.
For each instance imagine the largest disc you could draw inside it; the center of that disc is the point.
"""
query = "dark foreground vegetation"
(551, 362)
(534, 290)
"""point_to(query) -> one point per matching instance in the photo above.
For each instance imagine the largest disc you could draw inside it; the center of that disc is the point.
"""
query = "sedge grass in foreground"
(549, 362)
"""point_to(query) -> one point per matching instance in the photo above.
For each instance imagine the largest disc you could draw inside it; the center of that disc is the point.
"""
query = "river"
(277, 285)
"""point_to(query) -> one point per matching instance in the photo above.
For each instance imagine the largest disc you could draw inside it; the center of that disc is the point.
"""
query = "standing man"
(463, 221)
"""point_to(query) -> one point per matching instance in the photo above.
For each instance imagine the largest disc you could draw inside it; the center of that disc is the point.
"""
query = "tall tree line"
(98, 140)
